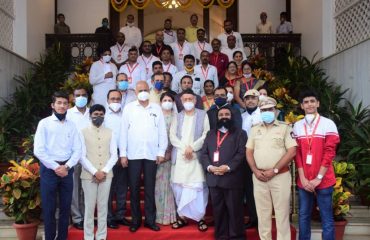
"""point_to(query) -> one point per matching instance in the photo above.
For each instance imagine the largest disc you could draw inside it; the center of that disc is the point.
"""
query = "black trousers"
(119, 189)
(149, 168)
(227, 207)
(249, 196)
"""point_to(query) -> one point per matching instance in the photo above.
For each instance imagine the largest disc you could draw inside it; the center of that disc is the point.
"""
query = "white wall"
(20, 28)
(249, 13)
(84, 16)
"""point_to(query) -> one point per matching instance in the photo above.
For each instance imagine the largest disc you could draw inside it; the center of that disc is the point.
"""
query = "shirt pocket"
(278, 142)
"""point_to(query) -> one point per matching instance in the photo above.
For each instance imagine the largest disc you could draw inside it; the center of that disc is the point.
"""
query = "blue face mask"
(122, 85)
(81, 101)
(158, 85)
(268, 117)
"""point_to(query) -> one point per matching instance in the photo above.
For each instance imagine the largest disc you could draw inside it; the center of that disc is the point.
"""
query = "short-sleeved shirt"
(270, 144)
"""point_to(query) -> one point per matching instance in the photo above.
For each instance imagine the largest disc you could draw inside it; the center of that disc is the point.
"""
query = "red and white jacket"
(323, 149)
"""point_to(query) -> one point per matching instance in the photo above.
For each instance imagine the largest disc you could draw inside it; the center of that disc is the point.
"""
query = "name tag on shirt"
(309, 159)
(216, 156)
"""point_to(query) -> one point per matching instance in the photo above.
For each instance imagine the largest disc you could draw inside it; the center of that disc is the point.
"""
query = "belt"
(62, 163)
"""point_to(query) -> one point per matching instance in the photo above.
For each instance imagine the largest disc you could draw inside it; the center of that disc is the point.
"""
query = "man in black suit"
(223, 155)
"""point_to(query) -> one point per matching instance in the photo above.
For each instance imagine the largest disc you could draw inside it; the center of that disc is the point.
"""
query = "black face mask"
(225, 122)
(220, 101)
(251, 110)
(97, 121)
(60, 116)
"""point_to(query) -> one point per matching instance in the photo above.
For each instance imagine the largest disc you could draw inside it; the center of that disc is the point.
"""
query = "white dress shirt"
(223, 38)
(250, 120)
(57, 141)
(132, 36)
(146, 63)
(198, 47)
(101, 85)
(143, 132)
(169, 37)
(81, 120)
(128, 96)
(88, 166)
(170, 68)
(179, 52)
(176, 82)
(119, 52)
(229, 52)
(112, 120)
(134, 74)
(209, 73)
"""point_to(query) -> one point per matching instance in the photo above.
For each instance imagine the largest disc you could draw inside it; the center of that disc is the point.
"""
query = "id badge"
(147, 70)
(181, 56)
(129, 79)
(216, 156)
(309, 159)
(119, 57)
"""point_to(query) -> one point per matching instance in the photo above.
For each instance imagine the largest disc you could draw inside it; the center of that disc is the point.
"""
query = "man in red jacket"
(317, 138)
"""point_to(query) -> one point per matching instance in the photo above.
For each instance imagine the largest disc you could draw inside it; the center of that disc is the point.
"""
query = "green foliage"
(31, 101)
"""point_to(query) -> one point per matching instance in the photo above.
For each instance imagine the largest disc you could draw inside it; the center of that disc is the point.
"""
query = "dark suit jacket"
(180, 107)
(212, 116)
(232, 154)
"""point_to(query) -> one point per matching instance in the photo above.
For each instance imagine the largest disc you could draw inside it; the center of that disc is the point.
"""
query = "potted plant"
(21, 197)
(344, 173)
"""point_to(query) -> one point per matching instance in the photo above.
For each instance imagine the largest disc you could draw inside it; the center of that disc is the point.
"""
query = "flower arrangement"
(80, 77)
(20, 191)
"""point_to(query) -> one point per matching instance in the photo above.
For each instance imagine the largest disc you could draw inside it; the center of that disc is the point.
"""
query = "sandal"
(202, 226)
(180, 223)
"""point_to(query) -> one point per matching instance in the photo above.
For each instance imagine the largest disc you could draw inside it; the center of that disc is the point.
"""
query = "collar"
(75, 110)
(137, 103)
(54, 118)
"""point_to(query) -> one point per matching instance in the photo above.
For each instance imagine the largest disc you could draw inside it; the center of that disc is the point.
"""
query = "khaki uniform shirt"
(270, 144)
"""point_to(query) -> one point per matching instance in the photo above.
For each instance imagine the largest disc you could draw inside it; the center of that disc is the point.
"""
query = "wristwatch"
(276, 170)
(319, 176)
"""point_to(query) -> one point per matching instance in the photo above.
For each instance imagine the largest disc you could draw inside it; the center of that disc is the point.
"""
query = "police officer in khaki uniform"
(270, 149)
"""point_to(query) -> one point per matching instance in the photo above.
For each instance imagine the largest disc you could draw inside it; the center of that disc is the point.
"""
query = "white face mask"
(230, 97)
(167, 105)
(143, 96)
(131, 24)
(262, 97)
(115, 107)
(309, 118)
(189, 106)
(248, 75)
(106, 59)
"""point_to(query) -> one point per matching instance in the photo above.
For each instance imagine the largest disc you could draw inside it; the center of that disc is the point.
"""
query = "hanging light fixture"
(171, 4)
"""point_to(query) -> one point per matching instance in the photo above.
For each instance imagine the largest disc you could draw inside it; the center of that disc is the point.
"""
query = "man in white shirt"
(205, 71)
(228, 26)
(132, 33)
(134, 71)
(285, 26)
(201, 44)
(181, 48)
(169, 34)
(99, 154)
(264, 27)
(143, 143)
(58, 147)
(146, 59)
(128, 95)
(231, 48)
(79, 115)
(119, 50)
(166, 60)
(102, 77)
(189, 62)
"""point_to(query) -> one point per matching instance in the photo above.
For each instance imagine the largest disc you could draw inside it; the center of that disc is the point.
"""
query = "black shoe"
(79, 225)
(153, 227)
(251, 224)
(134, 228)
(124, 222)
(112, 224)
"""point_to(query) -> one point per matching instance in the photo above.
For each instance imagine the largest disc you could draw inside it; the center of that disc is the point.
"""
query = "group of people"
(189, 133)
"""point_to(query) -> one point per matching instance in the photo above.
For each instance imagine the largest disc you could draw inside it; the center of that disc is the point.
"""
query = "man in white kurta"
(119, 50)
(102, 77)
(231, 48)
(147, 59)
(169, 34)
(132, 33)
(187, 135)
(206, 71)
(228, 26)
(134, 71)
(181, 48)
(200, 44)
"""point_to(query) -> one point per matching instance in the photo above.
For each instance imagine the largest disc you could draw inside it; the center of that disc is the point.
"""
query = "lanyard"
(249, 87)
(146, 63)
(158, 49)
(205, 73)
(120, 49)
(130, 70)
(216, 58)
(180, 47)
(219, 142)
(201, 48)
(310, 138)
(169, 33)
(168, 68)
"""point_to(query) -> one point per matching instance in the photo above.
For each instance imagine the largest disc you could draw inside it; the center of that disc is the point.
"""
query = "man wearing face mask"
(79, 115)
(102, 77)
(223, 157)
(105, 29)
(143, 142)
(132, 33)
(270, 149)
(187, 83)
(157, 90)
(119, 184)
(157, 67)
(220, 95)
(99, 154)
(58, 147)
(128, 95)
(187, 134)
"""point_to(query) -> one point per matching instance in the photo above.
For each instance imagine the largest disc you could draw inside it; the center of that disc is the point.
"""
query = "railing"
(79, 46)
(271, 46)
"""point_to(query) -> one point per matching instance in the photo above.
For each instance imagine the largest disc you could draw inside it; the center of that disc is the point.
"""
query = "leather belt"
(62, 163)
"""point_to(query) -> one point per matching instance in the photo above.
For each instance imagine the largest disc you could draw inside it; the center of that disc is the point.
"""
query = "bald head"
(231, 41)
(141, 86)
(159, 36)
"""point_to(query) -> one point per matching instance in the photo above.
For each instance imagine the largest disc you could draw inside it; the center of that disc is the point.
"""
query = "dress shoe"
(79, 225)
(124, 222)
(134, 228)
(251, 224)
(112, 224)
(153, 227)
